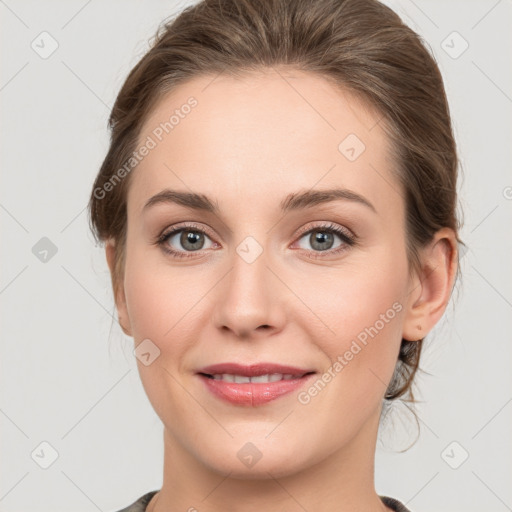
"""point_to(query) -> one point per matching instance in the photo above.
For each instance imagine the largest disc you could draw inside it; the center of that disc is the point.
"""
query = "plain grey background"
(68, 375)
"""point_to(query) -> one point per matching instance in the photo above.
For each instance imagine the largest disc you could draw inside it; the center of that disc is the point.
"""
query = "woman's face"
(265, 277)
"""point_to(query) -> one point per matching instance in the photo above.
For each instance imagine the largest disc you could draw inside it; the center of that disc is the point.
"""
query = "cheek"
(146, 303)
(352, 301)
(361, 313)
(158, 304)
(157, 297)
(165, 305)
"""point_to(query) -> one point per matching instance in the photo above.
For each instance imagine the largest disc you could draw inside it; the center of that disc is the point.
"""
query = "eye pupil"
(192, 238)
(321, 237)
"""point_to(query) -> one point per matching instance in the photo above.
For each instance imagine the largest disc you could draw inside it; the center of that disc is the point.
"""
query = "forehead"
(270, 130)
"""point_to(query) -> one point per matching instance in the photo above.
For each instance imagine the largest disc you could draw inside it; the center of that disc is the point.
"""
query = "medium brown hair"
(362, 46)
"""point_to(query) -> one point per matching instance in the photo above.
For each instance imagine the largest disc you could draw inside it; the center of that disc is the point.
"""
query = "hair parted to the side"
(360, 45)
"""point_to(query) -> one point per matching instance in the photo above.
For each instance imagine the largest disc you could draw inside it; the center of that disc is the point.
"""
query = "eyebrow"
(294, 201)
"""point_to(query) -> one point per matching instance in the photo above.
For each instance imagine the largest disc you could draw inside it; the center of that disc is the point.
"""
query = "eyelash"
(346, 237)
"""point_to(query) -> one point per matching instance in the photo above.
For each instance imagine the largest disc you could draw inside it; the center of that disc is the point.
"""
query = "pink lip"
(252, 393)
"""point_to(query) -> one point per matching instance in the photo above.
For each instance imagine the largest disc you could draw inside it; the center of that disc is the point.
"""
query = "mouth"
(254, 370)
(264, 378)
(253, 385)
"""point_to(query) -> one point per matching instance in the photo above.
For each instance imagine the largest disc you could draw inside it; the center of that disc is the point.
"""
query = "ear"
(431, 285)
(118, 287)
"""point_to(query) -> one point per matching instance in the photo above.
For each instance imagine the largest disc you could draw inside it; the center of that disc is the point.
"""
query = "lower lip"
(253, 393)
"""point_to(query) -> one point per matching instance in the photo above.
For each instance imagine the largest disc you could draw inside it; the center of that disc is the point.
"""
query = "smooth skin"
(249, 143)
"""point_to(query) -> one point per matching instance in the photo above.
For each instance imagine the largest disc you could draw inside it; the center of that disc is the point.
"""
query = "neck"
(341, 482)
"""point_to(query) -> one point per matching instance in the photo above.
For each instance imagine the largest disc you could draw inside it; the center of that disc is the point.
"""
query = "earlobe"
(117, 287)
(431, 289)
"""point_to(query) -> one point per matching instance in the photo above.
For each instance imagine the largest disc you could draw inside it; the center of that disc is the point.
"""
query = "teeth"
(266, 378)
(242, 379)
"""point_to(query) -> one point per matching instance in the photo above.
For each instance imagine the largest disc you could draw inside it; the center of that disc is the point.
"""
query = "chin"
(262, 470)
(260, 460)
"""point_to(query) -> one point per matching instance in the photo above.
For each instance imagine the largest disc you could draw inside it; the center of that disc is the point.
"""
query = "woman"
(278, 211)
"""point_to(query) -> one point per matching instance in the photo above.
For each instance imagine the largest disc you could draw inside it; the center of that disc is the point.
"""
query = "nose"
(250, 299)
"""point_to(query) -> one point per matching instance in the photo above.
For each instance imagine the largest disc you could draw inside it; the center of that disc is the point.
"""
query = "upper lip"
(253, 370)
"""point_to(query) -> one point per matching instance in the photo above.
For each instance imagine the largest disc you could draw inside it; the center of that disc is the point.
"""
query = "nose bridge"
(248, 280)
(248, 298)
